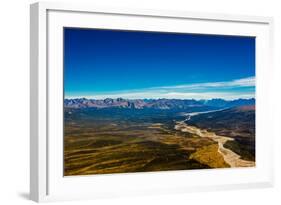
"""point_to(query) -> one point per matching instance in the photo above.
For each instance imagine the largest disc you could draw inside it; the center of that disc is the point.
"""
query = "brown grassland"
(101, 143)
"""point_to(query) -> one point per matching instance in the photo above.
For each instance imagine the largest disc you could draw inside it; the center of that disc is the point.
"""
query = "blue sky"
(134, 64)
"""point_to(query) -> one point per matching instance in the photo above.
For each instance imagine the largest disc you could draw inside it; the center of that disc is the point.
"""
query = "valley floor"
(95, 142)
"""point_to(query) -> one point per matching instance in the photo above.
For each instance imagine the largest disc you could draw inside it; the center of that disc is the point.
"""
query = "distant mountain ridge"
(163, 104)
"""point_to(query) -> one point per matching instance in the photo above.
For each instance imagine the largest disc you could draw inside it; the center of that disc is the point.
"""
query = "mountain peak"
(156, 103)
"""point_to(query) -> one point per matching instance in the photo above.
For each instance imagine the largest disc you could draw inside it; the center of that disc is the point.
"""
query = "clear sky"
(135, 64)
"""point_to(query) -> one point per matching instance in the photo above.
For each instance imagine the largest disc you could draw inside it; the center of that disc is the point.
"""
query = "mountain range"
(163, 104)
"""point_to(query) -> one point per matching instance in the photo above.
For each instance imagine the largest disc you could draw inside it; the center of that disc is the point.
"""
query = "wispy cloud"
(238, 88)
(244, 82)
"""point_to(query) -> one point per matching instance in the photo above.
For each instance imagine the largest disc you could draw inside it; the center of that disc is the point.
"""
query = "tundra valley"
(122, 136)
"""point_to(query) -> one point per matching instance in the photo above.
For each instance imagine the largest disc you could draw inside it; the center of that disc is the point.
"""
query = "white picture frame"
(47, 182)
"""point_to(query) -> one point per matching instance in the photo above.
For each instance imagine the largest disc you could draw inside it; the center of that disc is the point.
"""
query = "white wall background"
(14, 101)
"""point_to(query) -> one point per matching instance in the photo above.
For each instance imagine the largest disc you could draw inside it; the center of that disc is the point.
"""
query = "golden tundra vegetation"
(115, 150)
(209, 155)
(103, 146)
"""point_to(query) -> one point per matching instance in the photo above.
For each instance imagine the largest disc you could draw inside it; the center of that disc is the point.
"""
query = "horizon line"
(87, 98)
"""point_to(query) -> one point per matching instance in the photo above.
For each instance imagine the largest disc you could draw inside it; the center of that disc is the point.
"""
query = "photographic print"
(139, 101)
